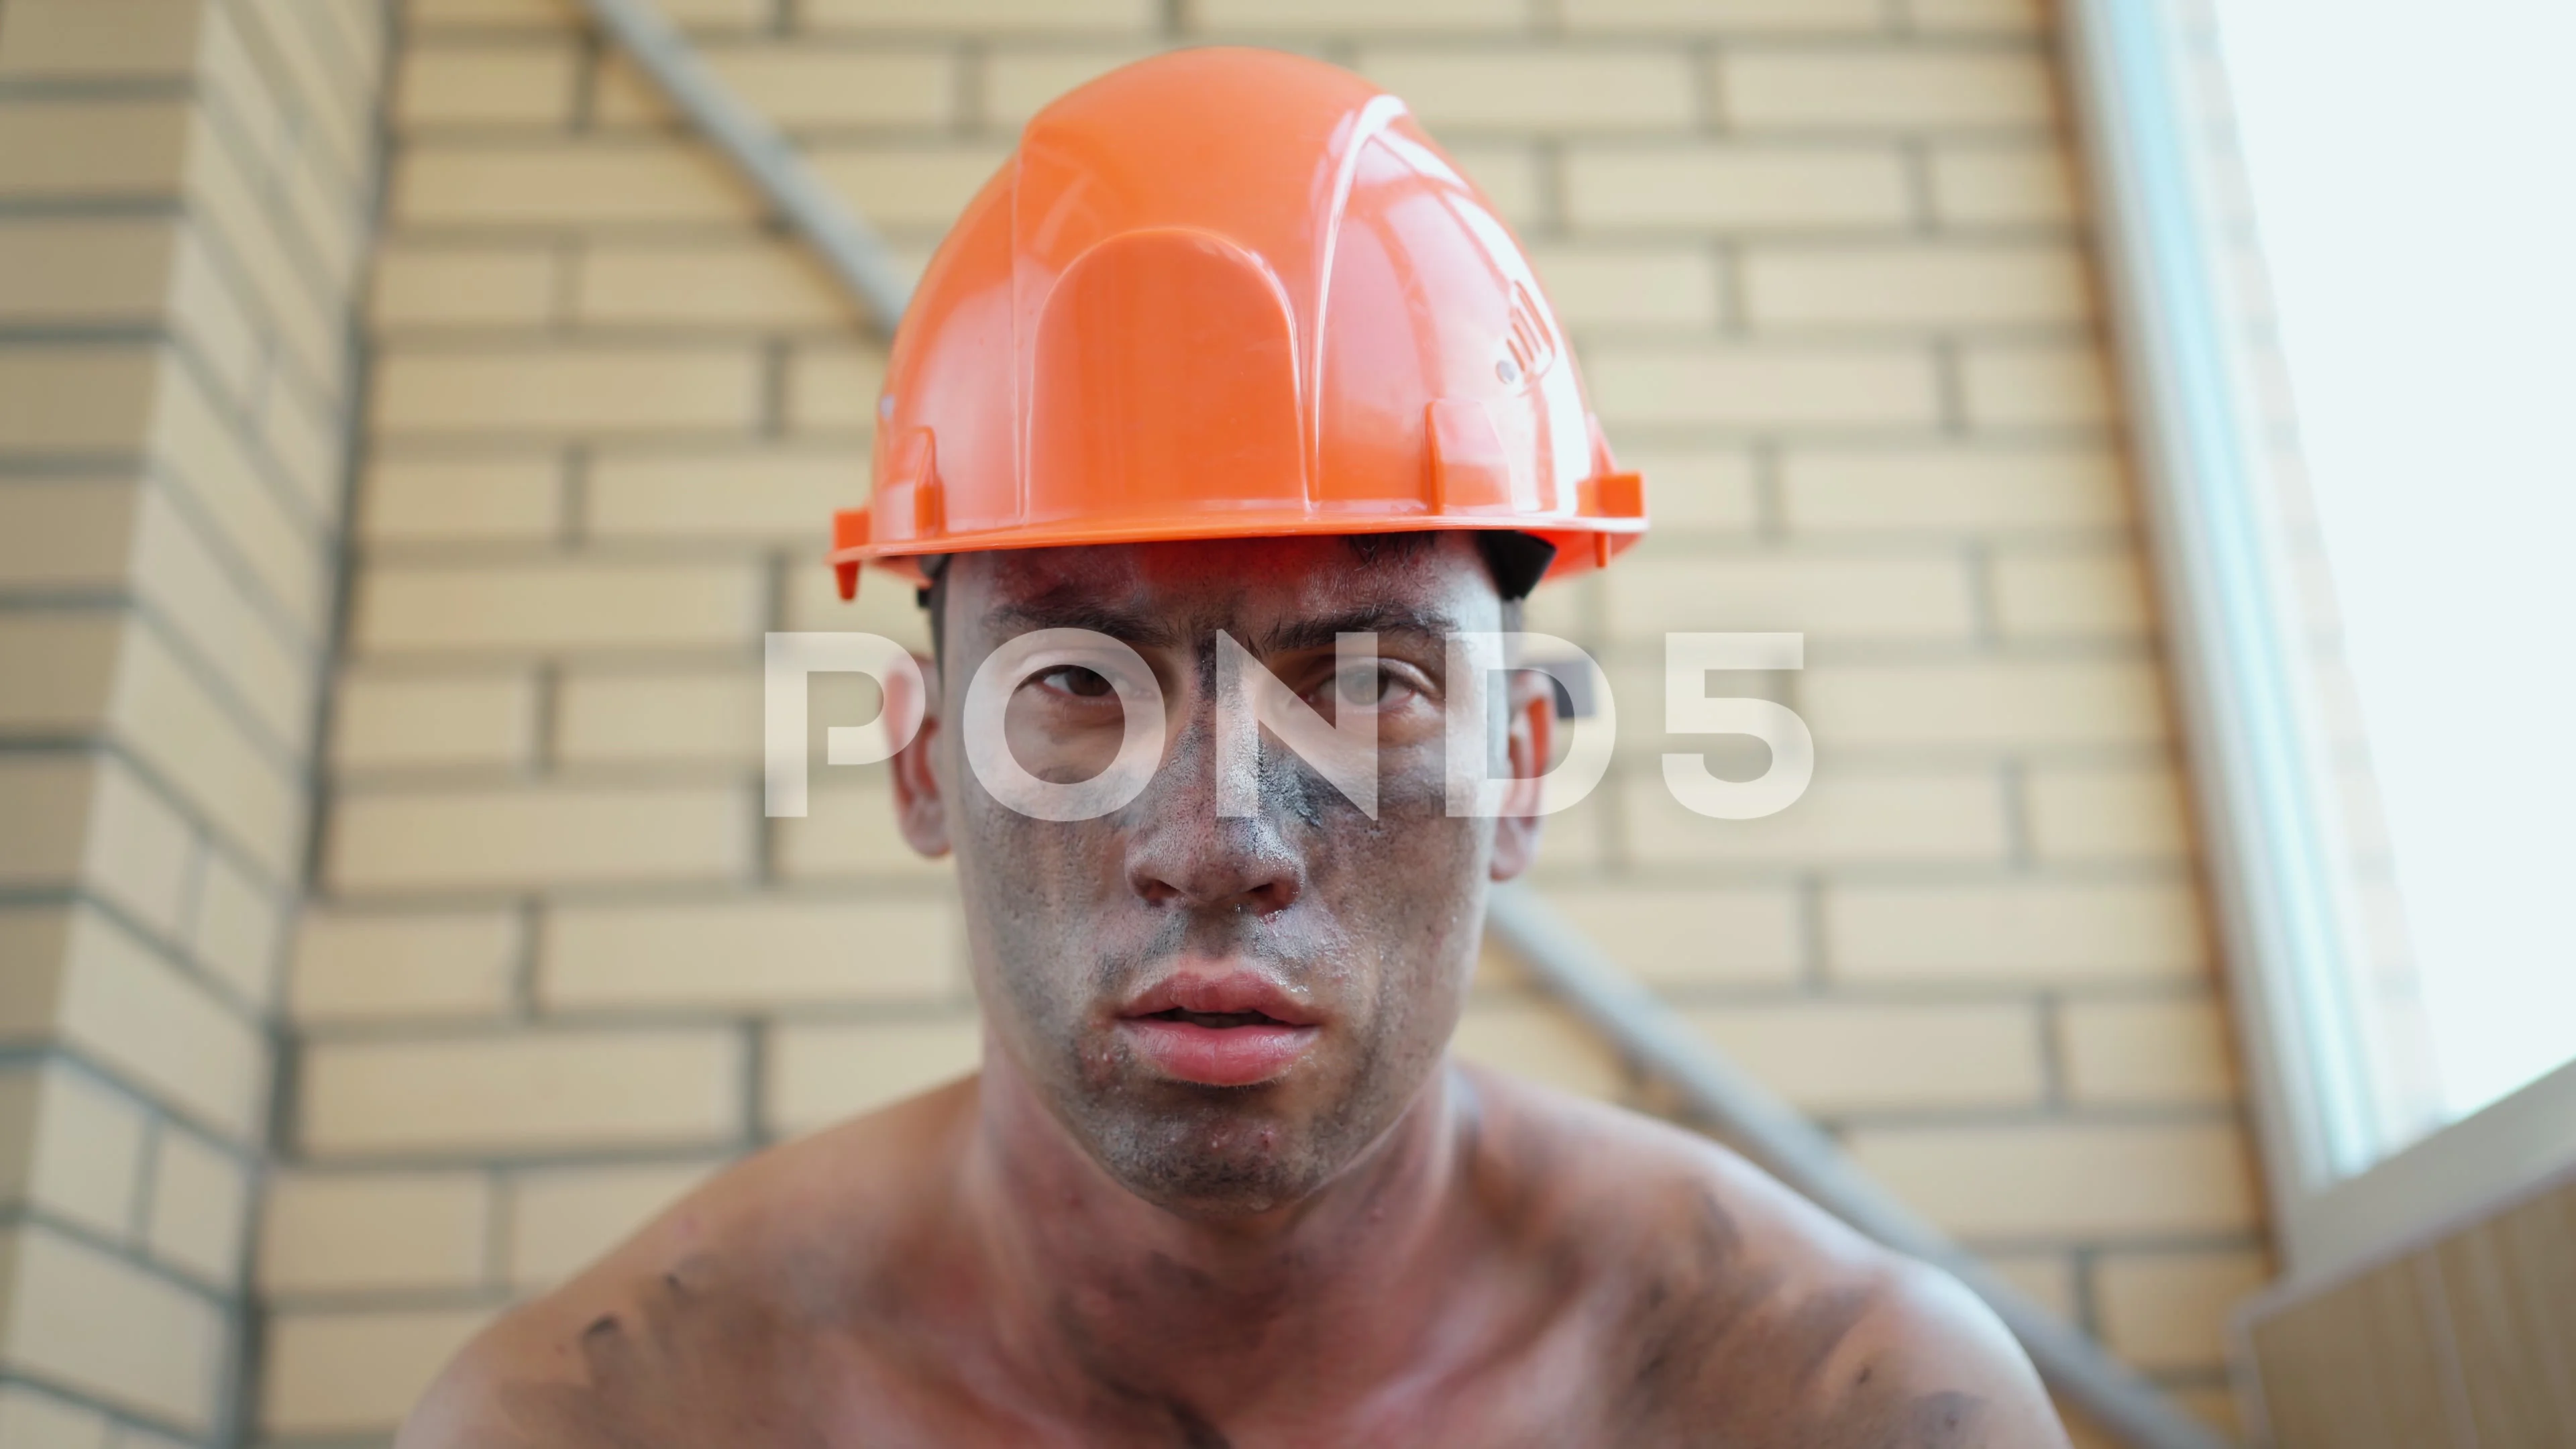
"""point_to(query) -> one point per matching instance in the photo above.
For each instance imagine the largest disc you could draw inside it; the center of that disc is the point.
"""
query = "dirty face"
(1224, 1012)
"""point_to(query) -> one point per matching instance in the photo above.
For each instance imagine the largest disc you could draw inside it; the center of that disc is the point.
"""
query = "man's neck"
(1085, 1278)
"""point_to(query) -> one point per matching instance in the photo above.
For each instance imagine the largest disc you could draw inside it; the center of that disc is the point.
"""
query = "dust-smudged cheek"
(1380, 935)
(1035, 893)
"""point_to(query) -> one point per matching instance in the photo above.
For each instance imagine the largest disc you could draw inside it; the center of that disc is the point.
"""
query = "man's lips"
(1229, 1028)
(1225, 991)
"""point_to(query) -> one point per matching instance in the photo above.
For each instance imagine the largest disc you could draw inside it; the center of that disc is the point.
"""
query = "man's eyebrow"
(1319, 633)
(1067, 608)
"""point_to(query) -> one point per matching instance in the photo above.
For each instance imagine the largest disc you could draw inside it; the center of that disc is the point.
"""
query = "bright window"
(2413, 174)
(2343, 244)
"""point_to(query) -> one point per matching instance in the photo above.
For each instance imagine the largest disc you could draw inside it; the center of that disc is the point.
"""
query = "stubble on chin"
(1225, 1151)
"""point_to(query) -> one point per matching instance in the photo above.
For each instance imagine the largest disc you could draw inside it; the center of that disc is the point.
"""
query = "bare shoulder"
(1732, 1306)
(714, 1322)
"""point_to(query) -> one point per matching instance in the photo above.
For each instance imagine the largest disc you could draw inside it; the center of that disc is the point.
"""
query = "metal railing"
(1639, 1023)
(1767, 1130)
(841, 239)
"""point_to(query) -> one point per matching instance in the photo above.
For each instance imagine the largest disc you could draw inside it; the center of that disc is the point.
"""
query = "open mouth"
(1216, 1019)
(1221, 1028)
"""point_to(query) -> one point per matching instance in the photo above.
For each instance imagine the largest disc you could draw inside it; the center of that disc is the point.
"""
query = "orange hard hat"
(1230, 293)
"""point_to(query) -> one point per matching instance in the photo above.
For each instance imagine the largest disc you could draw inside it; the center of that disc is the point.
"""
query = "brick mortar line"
(522, 1004)
(118, 1416)
(147, 1176)
(267, 174)
(75, 1055)
(1856, 764)
(1966, 990)
(2006, 1118)
(24, 1217)
(293, 763)
(501, 1210)
(568, 258)
(1642, 433)
(285, 80)
(1754, 336)
(1725, 875)
(429, 443)
(2053, 1063)
(225, 252)
(202, 838)
(160, 335)
(1665, 879)
(493, 1292)
(315, 528)
(146, 204)
(591, 58)
(969, 110)
(77, 1060)
(333, 38)
(695, 1149)
(753, 1088)
(114, 602)
(706, 1020)
(454, 895)
(669, 1151)
(2088, 1308)
(641, 343)
(2115, 544)
(34, 92)
(2125, 1242)
(572, 506)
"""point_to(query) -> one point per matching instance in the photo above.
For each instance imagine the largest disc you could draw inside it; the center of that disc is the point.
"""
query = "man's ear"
(920, 807)
(1526, 752)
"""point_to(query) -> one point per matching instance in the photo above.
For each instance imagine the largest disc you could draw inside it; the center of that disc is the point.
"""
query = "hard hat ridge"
(1228, 293)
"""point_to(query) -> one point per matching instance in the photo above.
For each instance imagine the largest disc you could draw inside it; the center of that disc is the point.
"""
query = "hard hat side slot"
(1468, 468)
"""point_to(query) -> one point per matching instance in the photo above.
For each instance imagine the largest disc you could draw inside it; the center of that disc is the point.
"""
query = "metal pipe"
(1792, 1149)
(851, 248)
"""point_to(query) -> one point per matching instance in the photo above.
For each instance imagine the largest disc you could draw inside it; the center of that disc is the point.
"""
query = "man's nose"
(1181, 852)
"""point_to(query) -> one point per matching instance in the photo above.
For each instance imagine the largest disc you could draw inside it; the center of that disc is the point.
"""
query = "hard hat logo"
(1231, 293)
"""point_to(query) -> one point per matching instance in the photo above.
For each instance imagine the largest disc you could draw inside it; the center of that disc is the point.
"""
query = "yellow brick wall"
(186, 188)
(1829, 275)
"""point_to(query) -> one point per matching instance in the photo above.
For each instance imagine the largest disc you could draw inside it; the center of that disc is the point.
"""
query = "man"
(1229, 375)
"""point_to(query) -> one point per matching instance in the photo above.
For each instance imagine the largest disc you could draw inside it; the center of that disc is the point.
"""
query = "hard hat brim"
(1581, 546)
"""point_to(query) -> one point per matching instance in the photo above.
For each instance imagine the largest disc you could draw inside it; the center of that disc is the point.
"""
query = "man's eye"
(1077, 681)
(1368, 686)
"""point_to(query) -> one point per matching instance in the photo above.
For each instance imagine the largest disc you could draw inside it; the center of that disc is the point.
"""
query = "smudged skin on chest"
(1607, 1307)
(693, 1359)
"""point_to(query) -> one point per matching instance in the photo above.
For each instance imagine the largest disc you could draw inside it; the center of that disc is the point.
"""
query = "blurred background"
(408, 431)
